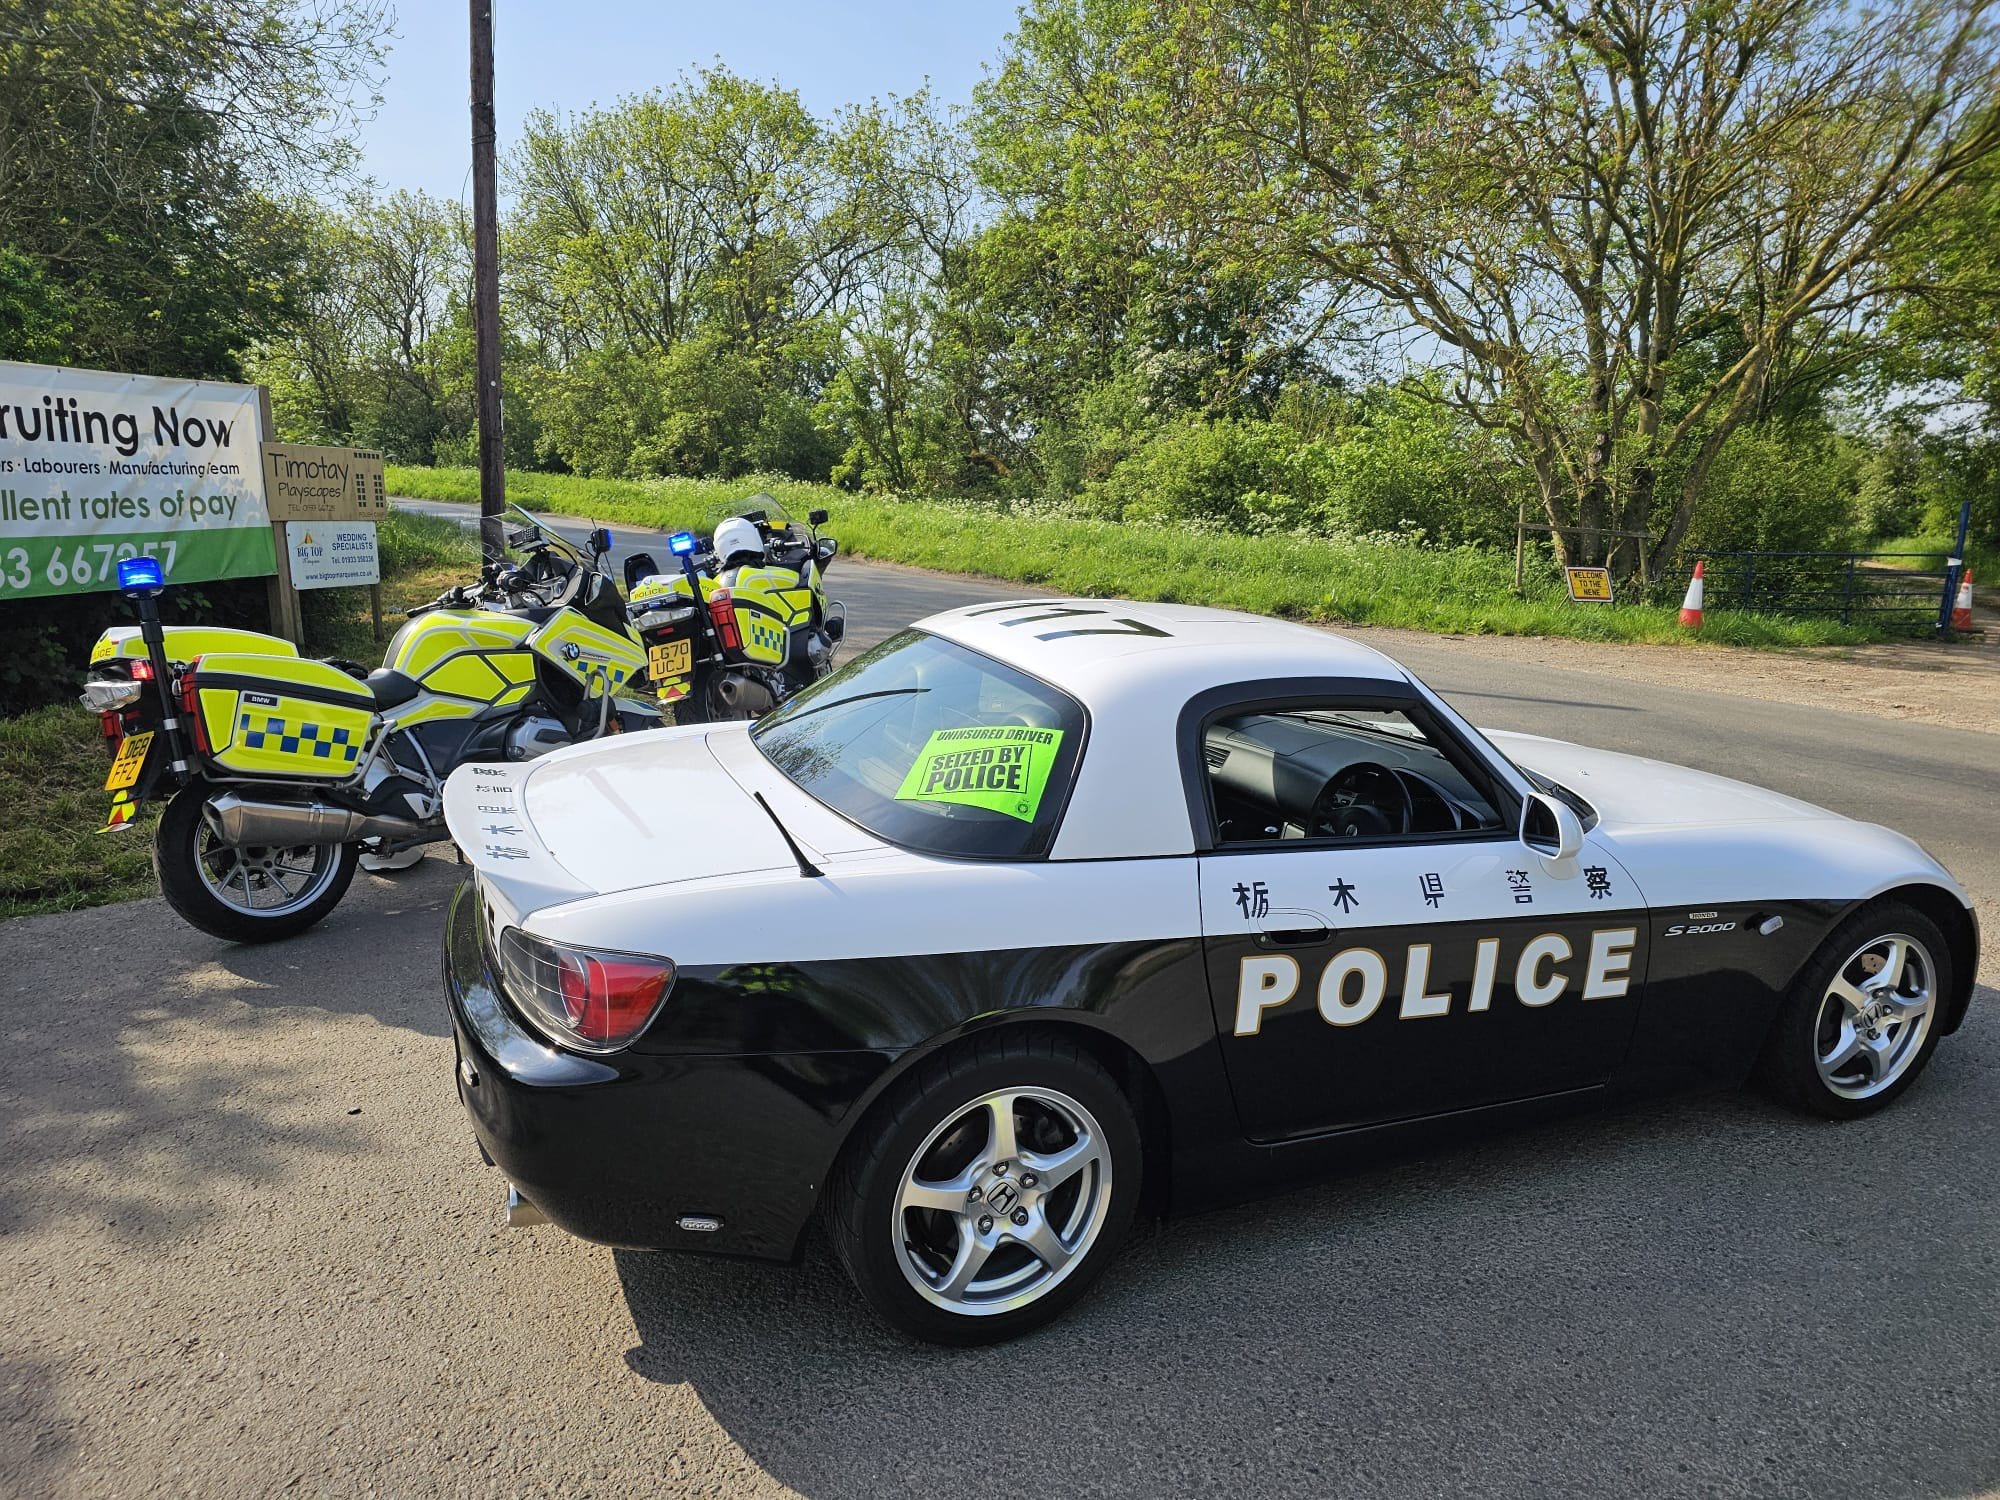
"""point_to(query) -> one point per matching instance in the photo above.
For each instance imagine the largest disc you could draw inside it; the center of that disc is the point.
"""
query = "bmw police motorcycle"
(283, 773)
(745, 622)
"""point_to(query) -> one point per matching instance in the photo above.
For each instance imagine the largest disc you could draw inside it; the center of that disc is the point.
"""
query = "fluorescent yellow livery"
(186, 642)
(284, 775)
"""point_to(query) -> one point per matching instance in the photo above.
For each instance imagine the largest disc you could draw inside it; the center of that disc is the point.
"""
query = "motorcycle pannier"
(269, 716)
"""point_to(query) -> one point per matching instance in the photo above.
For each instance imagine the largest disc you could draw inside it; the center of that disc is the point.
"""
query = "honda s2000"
(1044, 913)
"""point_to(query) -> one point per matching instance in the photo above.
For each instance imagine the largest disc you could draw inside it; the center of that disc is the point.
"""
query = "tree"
(380, 350)
(149, 153)
(698, 254)
(1619, 219)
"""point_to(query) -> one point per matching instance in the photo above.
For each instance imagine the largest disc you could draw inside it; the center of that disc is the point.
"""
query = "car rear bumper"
(625, 1150)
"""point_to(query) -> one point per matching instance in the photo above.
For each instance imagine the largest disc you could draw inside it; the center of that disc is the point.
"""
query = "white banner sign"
(332, 554)
(95, 467)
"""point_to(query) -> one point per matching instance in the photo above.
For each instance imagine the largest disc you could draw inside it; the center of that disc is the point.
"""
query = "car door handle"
(1293, 937)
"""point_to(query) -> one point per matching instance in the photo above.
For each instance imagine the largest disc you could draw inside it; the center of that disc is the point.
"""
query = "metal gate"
(1887, 588)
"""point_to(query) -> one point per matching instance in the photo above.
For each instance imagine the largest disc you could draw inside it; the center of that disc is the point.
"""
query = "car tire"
(951, 1268)
(1847, 1041)
(178, 860)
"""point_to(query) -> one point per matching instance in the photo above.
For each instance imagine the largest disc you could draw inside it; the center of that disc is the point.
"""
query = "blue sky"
(568, 54)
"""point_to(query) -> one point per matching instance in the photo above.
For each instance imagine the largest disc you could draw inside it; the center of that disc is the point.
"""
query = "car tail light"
(722, 614)
(583, 998)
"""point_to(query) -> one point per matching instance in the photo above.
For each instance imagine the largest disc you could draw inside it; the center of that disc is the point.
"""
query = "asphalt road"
(247, 1246)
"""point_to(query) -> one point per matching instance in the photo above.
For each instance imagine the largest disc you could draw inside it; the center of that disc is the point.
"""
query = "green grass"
(53, 762)
(1984, 561)
(52, 858)
(1363, 581)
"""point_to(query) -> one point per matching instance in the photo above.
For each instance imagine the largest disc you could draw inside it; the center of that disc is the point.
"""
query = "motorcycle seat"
(391, 687)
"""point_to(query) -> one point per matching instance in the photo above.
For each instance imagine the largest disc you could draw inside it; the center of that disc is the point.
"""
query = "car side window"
(1339, 771)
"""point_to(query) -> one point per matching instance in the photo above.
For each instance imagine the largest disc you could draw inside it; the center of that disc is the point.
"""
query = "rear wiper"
(820, 708)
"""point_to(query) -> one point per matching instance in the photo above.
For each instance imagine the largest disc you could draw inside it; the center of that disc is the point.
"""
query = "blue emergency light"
(681, 543)
(141, 575)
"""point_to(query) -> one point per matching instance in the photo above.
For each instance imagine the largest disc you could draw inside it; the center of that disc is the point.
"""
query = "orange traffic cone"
(1961, 607)
(1691, 605)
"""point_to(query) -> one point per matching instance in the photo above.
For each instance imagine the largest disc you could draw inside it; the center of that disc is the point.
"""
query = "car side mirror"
(1551, 828)
(638, 568)
(816, 518)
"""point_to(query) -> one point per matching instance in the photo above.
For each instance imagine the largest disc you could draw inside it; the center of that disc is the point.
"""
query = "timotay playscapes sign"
(96, 467)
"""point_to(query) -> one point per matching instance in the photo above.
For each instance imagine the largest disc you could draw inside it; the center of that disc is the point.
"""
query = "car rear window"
(933, 747)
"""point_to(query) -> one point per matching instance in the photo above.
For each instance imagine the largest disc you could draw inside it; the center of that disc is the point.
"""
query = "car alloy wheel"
(1002, 1201)
(1874, 1016)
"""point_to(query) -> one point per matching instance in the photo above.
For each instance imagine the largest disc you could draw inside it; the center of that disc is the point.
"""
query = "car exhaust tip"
(521, 1214)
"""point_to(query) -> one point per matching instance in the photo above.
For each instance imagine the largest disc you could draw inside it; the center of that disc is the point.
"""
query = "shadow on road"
(147, 1065)
(1708, 1296)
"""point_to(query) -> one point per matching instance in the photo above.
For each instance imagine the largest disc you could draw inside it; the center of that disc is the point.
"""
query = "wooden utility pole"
(486, 288)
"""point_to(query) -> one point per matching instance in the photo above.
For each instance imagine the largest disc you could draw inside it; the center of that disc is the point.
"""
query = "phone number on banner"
(62, 563)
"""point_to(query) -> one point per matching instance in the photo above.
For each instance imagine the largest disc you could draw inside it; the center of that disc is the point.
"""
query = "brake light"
(722, 614)
(584, 998)
(142, 670)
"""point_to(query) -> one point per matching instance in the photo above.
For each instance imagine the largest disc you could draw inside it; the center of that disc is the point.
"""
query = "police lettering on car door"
(1354, 983)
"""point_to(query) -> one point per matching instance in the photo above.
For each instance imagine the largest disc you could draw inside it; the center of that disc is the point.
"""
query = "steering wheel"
(1361, 801)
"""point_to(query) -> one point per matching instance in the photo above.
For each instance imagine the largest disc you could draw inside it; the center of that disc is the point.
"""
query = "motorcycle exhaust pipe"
(237, 822)
(742, 695)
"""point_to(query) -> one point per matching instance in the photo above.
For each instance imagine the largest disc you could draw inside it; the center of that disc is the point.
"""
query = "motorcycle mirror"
(816, 518)
(639, 567)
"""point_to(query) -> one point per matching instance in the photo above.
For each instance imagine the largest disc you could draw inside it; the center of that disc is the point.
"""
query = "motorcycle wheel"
(248, 895)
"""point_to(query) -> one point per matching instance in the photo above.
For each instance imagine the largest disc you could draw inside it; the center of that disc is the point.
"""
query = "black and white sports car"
(1046, 913)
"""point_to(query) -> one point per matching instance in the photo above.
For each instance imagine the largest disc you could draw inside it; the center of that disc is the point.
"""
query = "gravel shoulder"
(1956, 686)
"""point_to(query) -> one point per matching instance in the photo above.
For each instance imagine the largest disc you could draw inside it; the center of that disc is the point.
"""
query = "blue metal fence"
(1888, 588)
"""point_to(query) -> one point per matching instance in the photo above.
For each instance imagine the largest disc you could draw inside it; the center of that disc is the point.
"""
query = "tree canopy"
(152, 155)
(1661, 273)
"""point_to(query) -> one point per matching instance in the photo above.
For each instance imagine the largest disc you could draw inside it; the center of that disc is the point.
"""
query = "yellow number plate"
(131, 759)
(670, 659)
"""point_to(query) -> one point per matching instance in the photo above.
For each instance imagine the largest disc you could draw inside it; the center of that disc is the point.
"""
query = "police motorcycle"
(284, 772)
(745, 622)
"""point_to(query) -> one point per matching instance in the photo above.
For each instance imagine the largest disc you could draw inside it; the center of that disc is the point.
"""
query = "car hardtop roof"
(1094, 647)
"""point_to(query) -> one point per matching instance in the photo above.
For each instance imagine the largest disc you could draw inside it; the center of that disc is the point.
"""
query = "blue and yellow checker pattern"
(762, 640)
(257, 724)
(259, 730)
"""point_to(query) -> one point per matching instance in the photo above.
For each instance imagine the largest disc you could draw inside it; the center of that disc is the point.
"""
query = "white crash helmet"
(737, 535)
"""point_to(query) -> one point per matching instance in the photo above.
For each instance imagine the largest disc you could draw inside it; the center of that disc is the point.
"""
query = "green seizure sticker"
(1003, 770)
